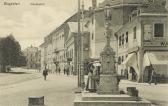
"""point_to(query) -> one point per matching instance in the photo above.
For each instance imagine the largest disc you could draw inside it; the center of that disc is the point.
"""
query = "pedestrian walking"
(45, 73)
(153, 77)
(59, 70)
(67, 69)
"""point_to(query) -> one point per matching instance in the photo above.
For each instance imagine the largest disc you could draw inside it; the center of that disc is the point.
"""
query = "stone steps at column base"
(85, 96)
(94, 99)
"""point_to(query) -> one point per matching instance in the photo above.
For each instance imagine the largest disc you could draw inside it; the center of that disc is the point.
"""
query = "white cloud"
(32, 24)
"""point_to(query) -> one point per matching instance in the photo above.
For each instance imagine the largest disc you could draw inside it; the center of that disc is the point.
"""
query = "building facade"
(53, 51)
(32, 55)
(142, 43)
(72, 39)
(59, 49)
(128, 34)
(120, 10)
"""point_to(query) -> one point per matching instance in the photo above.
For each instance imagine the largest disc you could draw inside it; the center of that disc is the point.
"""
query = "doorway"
(133, 74)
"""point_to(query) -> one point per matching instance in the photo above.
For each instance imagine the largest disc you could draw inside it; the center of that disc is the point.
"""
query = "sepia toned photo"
(83, 52)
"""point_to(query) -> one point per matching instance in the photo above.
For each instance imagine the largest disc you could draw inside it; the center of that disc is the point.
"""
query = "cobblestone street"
(17, 86)
(58, 89)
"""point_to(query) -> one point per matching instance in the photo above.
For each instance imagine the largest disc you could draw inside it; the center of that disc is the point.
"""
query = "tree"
(2, 68)
(10, 52)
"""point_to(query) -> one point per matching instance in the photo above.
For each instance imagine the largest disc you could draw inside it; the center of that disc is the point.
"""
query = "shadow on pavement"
(159, 103)
(18, 73)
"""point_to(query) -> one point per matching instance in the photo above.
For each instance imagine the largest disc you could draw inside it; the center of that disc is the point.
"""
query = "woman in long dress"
(91, 84)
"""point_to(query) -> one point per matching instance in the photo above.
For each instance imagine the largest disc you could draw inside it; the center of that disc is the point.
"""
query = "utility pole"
(78, 44)
(82, 58)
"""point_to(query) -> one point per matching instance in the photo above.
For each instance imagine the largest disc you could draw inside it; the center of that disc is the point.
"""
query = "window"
(92, 36)
(126, 37)
(123, 39)
(158, 30)
(119, 60)
(147, 32)
(120, 41)
(72, 53)
(134, 29)
(122, 59)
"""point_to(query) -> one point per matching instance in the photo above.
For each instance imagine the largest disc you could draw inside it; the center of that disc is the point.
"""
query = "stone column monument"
(108, 78)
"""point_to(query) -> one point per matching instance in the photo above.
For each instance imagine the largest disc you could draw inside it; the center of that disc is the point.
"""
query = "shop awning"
(157, 57)
(129, 59)
(132, 61)
(146, 61)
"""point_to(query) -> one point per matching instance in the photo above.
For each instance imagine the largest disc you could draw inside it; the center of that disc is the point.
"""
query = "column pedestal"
(108, 85)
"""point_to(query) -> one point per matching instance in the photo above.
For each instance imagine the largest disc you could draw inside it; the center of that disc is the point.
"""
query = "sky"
(31, 23)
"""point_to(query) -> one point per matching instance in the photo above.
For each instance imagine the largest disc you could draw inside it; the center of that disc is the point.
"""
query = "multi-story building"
(143, 42)
(120, 10)
(72, 39)
(32, 57)
(53, 48)
(58, 48)
(46, 53)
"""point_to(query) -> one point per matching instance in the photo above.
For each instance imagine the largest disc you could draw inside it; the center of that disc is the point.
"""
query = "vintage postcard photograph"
(83, 52)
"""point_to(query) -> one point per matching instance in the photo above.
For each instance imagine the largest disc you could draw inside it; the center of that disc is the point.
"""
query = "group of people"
(94, 75)
(68, 69)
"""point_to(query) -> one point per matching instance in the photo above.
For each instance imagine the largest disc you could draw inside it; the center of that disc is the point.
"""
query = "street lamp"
(107, 12)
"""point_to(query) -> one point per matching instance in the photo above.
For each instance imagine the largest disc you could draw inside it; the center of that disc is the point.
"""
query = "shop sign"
(163, 44)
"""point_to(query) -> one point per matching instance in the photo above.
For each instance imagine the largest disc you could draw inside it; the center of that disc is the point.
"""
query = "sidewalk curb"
(141, 84)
